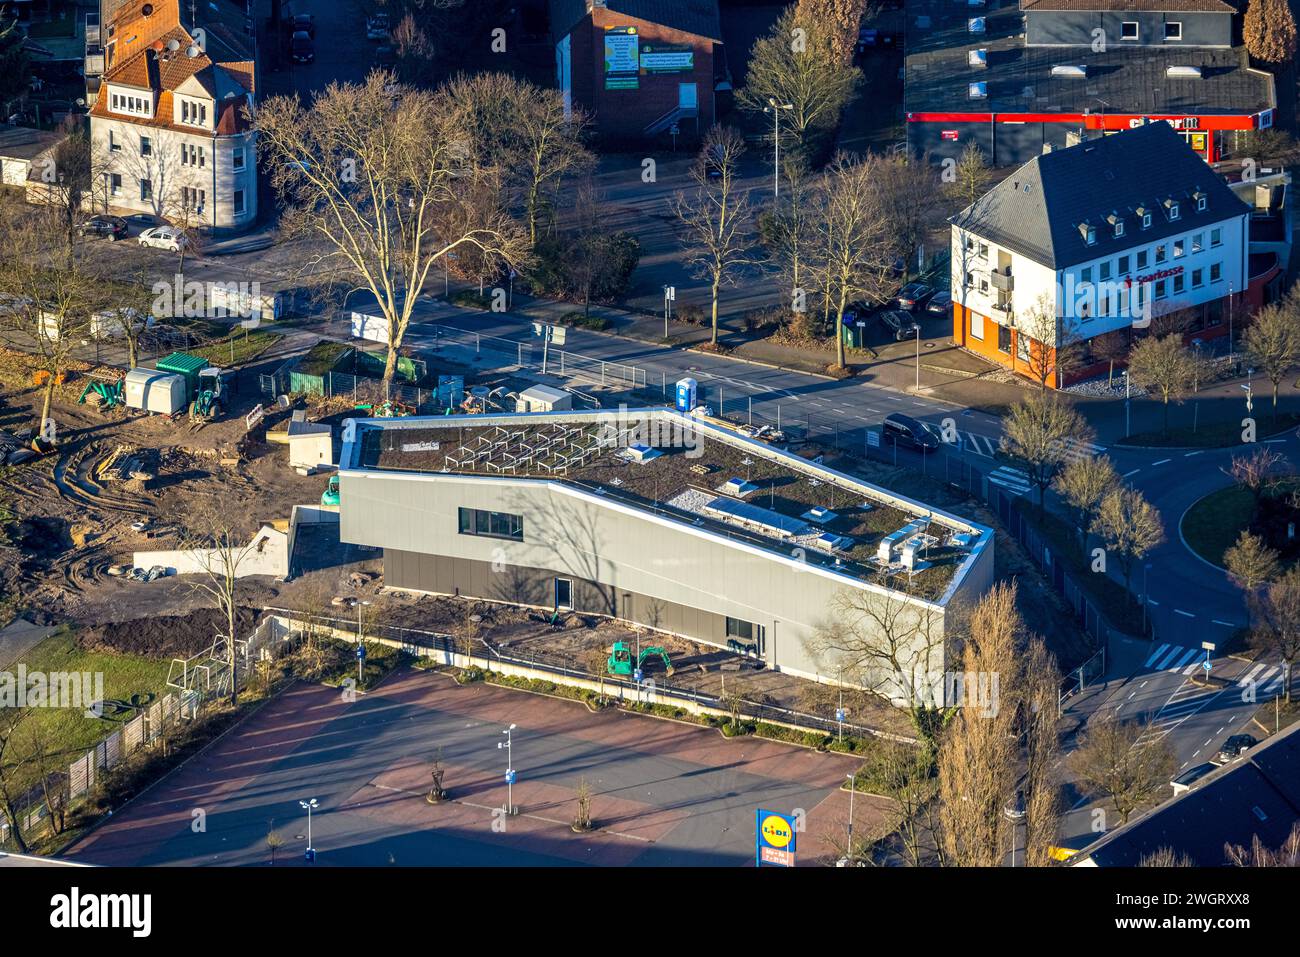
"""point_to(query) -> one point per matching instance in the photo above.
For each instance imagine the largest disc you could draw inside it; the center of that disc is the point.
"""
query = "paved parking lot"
(664, 793)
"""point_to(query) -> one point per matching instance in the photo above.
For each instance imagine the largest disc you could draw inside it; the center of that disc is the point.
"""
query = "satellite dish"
(192, 51)
(173, 44)
(146, 10)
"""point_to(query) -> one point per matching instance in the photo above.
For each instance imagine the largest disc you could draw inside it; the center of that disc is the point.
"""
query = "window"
(1216, 237)
(475, 521)
(1179, 246)
(194, 199)
(192, 155)
(747, 632)
(984, 251)
(1173, 30)
(1201, 204)
(1103, 271)
(1122, 268)
(1198, 242)
(146, 147)
(1119, 228)
(1142, 259)
(1161, 254)
(1173, 212)
(1198, 278)
(146, 190)
(1146, 220)
(1216, 272)
(1128, 30)
(239, 201)
(1180, 282)
(237, 159)
(1160, 289)
(113, 145)
(115, 184)
(193, 113)
(1022, 347)
(1004, 339)
(563, 593)
(977, 326)
(1085, 275)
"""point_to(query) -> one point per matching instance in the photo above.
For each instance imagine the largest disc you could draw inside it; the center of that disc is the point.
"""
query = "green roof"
(182, 362)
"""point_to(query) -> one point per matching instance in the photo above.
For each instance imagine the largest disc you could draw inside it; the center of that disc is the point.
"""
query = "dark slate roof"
(690, 16)
(1038, 210)
(1257, 796)
(1132, 6)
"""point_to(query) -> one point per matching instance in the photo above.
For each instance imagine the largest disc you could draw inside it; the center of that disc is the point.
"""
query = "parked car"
(914, 295)
(940, 304)
(164, 237)
(1235, 747)
(377, 27)
(900, 323)
(302, 47)
(1189, 777)
(109, 227)
(910, 432)
(386, 55)
(304, 23)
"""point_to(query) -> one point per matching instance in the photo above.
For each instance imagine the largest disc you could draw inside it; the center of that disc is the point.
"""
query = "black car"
(1235, 747)
(108, 227)
(1189, 777)
(905, 430)
(914, 295)
(900, 323)
(302, 47)
(305, 23)
(941, 304)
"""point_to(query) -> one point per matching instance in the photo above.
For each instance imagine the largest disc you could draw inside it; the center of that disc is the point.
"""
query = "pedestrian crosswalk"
(1074, 449)
(979, 444)
(1180, 659)
(1013, 480)
(1188, 700)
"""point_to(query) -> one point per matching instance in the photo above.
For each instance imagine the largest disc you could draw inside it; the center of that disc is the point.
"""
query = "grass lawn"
(1212, 525)
(1213, 436)
(124, 676)
(242, 345)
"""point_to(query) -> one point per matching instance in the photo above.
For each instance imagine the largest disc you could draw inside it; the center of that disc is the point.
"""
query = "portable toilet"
(152, 391)
(187, 367)
(686, 394)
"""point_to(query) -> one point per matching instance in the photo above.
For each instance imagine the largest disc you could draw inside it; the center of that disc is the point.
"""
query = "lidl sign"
(774, 839)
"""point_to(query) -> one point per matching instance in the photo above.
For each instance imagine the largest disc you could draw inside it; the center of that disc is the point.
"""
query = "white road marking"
(1131, 474)
(1185, 614)
(1161, 462)
(1157, 653)
(1225, 624)
(1188, 455)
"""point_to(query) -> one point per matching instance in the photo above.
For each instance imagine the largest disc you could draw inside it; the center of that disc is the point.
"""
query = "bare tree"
(582, 817)
(971, 177)
(1256, 473)
(1083, 483)
(15, 778)
(798, 64)
(1277, 622)
(1037, 693)
(274, 841)
(1166, 857)
(1250, 562)
(375, 175)
(1257, 855)
(978, 758)
(891, 646)
(716, 218)
(855, 243)
(1130, 525)
(905, 776)
(787, 228)
(1035, 433)
(1118, 760)
(1110, 347)
(1053, 342)
(1269, 31)
(1272, 341)
(1164, 366)
(220, 547)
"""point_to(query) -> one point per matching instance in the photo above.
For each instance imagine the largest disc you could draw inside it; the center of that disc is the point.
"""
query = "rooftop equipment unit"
(820, 515)
(642, 453)
(834, 543)
(975, 24)
(978, 58)
(978, 91)
(1183, 72)
(738, 487)
(1072, 72)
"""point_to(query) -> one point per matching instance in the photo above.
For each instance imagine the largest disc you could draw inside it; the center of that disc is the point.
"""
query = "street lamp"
(918, 357)
(1127, 398)
(1014, 811)
(309, 806)
(775, 109)
(852, 787)
(1145, 568)
(508, 746)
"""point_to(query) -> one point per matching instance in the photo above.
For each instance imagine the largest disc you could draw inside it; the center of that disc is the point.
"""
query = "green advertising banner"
(667, 59)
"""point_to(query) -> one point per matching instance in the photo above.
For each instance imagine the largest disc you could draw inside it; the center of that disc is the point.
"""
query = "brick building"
(642, 68)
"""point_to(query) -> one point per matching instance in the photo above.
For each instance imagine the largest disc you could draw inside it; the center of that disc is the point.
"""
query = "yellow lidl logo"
(776, 831)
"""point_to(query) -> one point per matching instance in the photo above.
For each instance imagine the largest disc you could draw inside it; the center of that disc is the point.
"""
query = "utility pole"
(775, 109)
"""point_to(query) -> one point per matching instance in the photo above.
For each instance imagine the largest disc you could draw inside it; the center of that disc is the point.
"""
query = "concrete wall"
(271, 558)
(624, 562)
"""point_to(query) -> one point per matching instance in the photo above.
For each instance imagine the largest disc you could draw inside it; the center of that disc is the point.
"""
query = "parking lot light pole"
(309, 806)
(508, 745)
(848, 852)
(918, 357)
(775, 109)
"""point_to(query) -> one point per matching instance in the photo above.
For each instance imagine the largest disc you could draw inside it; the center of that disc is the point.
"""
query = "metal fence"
(67, 785)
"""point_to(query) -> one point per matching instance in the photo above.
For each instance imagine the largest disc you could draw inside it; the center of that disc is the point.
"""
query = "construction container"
(152, 391)
(187, 367)
(542, 398)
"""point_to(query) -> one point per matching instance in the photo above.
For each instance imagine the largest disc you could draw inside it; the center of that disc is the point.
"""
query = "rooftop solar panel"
(783, 525)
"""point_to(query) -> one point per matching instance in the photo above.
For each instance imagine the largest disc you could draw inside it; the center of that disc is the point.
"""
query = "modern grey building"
(654, 517)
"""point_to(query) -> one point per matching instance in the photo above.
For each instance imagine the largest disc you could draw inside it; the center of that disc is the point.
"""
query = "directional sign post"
(1208, 646)
(361, 662)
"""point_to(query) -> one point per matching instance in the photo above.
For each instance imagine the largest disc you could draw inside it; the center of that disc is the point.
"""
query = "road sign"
(774, 839)
(637, 675)
(839, 715)
(558, 335)
(873, 439)
(510, 776)
(361, 652)
(670, 293)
